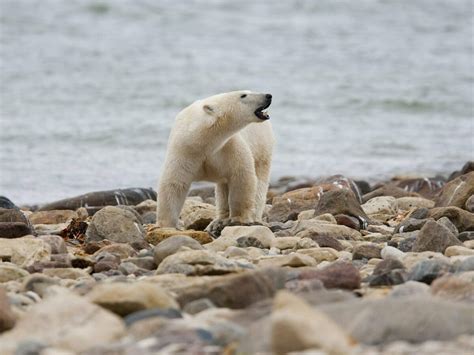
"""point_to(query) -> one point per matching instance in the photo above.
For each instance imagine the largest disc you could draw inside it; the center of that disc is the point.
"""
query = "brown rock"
(52, 217)
(426, 187)
(7, 318)
(326, 241)
(367, 251)
(13, 223)
(340, 201)
(463, 220)
(456, 192)
(389, 190)
(122, 251)
(434, 236)
(337, 275)
(156, 234)
(469, 205)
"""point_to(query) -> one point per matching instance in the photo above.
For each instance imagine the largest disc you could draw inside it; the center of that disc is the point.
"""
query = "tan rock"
(307, 228)
(24, 251)
(10, 271)
(458, 250)
(285, 242)
(381, 208)
(230, 235)
(197, 215)
(52, 217)
(321, 254)
(155, 235)
(292, 259)
(407, 203)
(67, 273)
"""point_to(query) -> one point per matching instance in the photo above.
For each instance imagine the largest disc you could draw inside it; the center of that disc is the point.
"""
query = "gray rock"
(466, 264)
(388, 272)
(172, 244)
(467, 235)
(57, 244)
(117, 225)
(410, 225)
(410, 288)
(428, 270)
(144, 262)
(198, 305)
(445, 221)
(434, 237)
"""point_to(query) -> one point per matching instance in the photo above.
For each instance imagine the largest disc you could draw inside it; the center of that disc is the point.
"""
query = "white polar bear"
(225, 139)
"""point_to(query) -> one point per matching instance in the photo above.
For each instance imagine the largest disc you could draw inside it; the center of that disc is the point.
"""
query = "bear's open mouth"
(262, 114)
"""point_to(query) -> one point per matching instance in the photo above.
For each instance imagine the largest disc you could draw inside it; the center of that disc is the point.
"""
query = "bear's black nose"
(268, 96)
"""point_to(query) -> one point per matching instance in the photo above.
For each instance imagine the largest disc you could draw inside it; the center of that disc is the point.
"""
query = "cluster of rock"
(338, 267)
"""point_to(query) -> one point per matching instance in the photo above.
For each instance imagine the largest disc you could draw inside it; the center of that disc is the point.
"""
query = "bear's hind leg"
(222, 200)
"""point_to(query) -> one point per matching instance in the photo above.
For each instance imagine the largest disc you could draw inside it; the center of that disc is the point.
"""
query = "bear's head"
(242, 106)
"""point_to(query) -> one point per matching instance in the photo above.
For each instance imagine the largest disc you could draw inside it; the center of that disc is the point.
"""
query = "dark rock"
(198, 305)
(434, 237)
(387, 273)
(117, 225)
(171, 245)
(245, 242)
(428, 270)
(366, 251)
(411, 319)
(420, 213)
(94, 201)
(6, 203)
(410, 225)
(14, 224)
(364, 186)
(169, 313)
(467, 168)
(336, 275)
(463, 220)
(388, 190)
(340, 201)
(456, 192)
(326, 241)
(426, 187)
(350, 221)
(466, 236)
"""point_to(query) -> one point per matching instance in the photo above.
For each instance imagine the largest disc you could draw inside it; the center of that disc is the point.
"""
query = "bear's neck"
(222, 130)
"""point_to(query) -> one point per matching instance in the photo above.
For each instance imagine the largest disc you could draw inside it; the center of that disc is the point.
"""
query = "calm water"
(89, 89)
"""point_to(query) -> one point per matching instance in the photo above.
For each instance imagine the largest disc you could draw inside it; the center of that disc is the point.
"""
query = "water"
(89, 89)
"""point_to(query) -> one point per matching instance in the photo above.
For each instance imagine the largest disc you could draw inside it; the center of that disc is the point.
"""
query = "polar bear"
(226, 139)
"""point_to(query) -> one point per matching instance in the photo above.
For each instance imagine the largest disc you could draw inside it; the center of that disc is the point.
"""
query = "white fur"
(218, 139)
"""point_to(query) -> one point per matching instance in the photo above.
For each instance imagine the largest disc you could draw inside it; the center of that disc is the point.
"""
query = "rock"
(149, 218)
(38, 283)
(145, 207)
(6, 203)
(458, 250)
(7, 317)
(169, 313)
(428, 270)
(259, 236)
(410, 288)
(320, 254)
(381, 208)
(66, 321)
(406, 241)
(453, 288)
(464, 236)
(466, 264)
(125, 298)
(52, 217)
(387, 272)
(67, 273)
(235, 290)
(57, 244)
(389, 252)
(410, 225)
(13, 223)
(351, 222)
(389, 190)
(143, 262)
(200, 262)
(445, 221)
(426, 187)
(311, 227)
(205, 192)
(413, 319)
(296, 326)
(197, 215)
(117, 225)
(286, 242)
(434, 237)
(94, 201)
(172, 245)
(246, 242)
(326, 241)
(469, 205)
(340, 201)
(307, 214)
(198, 305)
(367, 251)
(9, 271)
(336, 275)
(121, 251)
(106, 261)
(156, 235)
(456, 192)
(463, 220)
(24, 251)
(292, 260)
(407, 203)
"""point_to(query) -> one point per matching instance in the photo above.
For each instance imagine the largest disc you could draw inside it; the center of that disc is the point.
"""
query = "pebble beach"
(339, 266)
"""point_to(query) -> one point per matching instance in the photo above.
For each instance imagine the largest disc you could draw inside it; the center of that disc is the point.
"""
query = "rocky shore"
(338, 267)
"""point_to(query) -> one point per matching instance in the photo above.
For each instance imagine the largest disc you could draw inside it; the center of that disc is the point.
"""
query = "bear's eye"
(243, 95)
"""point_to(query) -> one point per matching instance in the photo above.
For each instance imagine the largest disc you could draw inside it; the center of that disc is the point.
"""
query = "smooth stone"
(339, 274)
(119, 225)
(200, 262)
(414, 319)
(428, 270)
(296, 326)
(24, 251)
(57, 244)
(321, 254)
(66, 321)
(120, 250)
(285, 242)
(454, 288)
(310, 227)
(292, 260)
(7, 317)
(67, 273)
(106, 261)
(235, 252)
(263, 234)
(434, 237)
(389, 252)
(458, 250)
(351, 222)
(146, 207)
(10, 271)
(326, 241)
(456, 192)
(156, 235)
(126, 298)
(52, 217)
(366, 251)
(380, 206)
(325, 218)
(410, 288)
(463, 220)
(382, 229)
(407, 203)
(197, 215)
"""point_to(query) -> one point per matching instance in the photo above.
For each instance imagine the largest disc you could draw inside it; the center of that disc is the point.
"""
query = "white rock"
(389, 252)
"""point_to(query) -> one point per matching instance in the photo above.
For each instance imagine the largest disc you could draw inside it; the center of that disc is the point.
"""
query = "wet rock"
(428, 270)
(456, 192)
(454, 288)
(296, 326)
(24, 251)
(340, 201)
(311, 227)
(463, 220)
(52, 217)
(366, 251)
(388, 272)
(326, 241)
(200, 262)
(7, 317)
(66, 321)
(14, 224)
(156, 235)
(414, 319)
(407, 203)
(434, 237)
(172, 245)
(410, 288)
(125, 298)
(117, 225)
(291, 260)
(94, 201)
(381, 208)
(336, 275)
(9, 271)
(57, 244)
(197, 215)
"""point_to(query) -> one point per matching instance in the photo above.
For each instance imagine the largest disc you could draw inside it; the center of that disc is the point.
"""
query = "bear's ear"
(208, 109)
